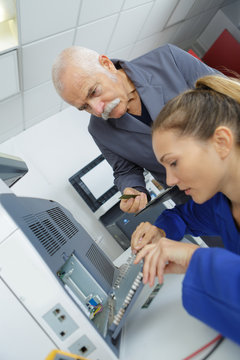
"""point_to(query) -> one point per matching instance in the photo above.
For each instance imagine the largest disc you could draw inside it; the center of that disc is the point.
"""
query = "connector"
(60, 322)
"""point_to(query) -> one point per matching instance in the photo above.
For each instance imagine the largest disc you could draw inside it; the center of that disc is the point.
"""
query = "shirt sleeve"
(189, 218)
(210, 290)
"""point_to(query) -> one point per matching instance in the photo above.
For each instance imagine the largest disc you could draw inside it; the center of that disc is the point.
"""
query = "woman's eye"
(173, 163)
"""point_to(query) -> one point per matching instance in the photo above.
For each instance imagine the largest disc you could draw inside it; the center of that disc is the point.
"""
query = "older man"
(124, 98)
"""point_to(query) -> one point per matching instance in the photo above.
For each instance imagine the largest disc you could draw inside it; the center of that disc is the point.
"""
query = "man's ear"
(107, 63)
(223, 141)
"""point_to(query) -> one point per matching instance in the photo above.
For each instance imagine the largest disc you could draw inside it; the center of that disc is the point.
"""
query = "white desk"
(165, 331)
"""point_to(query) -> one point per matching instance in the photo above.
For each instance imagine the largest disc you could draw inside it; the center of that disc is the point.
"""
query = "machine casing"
(37, 238)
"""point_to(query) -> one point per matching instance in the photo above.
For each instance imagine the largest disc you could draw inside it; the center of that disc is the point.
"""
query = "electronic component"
(105, 309)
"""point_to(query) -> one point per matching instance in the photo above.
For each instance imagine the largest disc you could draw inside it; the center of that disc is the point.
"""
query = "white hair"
(78, 57)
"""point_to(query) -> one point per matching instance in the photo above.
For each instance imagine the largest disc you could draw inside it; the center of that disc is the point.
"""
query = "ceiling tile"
(96, 35)
(92, 10)
(39, 19)
(121, 53)
(133, 3)
(180, 12)
(192, 28)
(144, 46)
(40, 102)
(128, 27)
(197, 8)
(11, 120)
(216, 3)
(154, 41)
(226, 2)
(202, 6)
(9, 84)
(37, 58)
(158, 17)
(232, 11)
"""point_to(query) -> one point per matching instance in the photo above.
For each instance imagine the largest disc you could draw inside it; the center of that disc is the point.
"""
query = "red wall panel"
(224, 54)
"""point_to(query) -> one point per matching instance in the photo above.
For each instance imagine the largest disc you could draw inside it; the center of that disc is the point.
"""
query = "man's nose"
(97, 106)
(171, 180)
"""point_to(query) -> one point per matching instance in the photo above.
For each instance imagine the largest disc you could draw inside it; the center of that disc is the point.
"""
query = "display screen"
(99, 179)
(95, 182)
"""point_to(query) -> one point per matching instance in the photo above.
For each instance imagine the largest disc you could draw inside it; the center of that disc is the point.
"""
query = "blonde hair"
(215, 101)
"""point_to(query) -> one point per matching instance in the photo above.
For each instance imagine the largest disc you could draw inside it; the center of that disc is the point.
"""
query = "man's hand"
(164, 257)
(133, 205)
(144, 234)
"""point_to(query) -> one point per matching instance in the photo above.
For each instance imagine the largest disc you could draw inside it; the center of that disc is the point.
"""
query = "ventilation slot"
(46, 239)
(101, 263)
(63, 222)
(56, 234)
(46, 231)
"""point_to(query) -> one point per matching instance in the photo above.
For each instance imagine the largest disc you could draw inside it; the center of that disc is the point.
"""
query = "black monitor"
(94, 183)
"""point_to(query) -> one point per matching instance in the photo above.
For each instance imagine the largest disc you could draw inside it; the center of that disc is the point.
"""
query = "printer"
(56, 282)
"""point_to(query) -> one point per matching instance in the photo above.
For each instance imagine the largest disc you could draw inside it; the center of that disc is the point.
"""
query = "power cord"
(217, 341)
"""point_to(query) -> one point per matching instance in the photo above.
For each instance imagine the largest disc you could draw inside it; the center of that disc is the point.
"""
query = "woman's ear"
(107, 63)
(223, 141)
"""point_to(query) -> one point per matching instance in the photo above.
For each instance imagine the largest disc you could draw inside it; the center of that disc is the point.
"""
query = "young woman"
(197, 138)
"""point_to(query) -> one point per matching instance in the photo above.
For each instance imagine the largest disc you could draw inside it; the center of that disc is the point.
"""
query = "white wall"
(123, 28)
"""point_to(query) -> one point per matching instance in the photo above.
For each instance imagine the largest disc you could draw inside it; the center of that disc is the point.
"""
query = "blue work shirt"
(211, 286)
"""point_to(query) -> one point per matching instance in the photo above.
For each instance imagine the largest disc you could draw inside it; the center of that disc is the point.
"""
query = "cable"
(214, 348)
(217, 339)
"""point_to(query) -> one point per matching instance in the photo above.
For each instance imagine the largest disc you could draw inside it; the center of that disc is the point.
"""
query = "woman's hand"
(133, 205)
(144, 234)
(164, 257)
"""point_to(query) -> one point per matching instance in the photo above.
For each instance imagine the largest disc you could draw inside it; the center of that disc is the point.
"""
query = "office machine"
(95, 184)
(59, 278)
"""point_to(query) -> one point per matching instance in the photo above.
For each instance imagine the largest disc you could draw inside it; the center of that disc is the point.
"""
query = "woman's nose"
(171, 180)
(97, 106)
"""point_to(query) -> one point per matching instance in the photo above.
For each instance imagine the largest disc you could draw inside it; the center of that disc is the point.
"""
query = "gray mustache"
(109, 108)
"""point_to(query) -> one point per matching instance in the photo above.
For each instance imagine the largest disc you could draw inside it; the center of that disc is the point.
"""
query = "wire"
(217, 339)
(214, 348)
